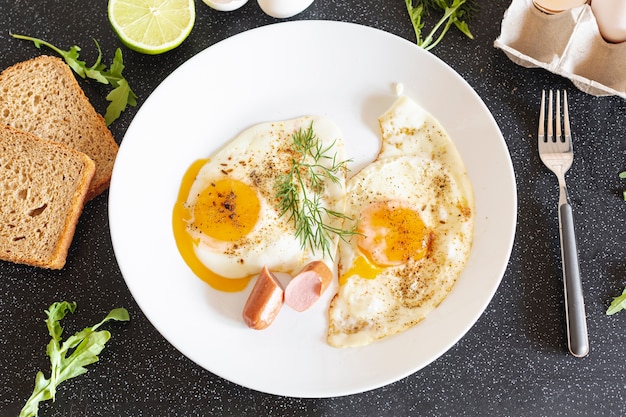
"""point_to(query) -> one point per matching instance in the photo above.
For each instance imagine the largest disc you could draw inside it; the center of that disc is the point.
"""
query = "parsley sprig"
(69, 358)
(455, 12)
(121, 94)
(300, 190)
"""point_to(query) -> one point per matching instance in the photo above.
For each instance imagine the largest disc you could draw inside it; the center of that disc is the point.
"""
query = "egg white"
(256, 157)
(419, 166)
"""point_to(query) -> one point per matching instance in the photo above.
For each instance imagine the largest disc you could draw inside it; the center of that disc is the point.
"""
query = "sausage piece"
(264, 301)
(308, 285)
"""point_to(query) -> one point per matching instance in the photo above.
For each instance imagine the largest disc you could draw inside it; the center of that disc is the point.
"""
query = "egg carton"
(567, 43)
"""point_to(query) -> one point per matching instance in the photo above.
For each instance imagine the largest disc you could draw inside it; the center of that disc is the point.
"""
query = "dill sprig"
(299, 192)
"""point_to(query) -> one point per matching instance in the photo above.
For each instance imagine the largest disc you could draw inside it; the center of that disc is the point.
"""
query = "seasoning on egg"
(416, 235)
(226, 225)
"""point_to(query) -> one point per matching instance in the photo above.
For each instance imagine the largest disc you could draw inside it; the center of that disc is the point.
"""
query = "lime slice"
(152, 26)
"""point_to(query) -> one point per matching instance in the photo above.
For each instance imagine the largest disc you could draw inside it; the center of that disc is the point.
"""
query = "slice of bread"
(41, 96)
(43, 186)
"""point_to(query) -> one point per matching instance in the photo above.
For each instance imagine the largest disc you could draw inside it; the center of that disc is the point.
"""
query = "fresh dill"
(299, 192)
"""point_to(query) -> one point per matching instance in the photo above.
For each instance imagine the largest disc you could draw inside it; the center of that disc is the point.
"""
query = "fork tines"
(563, 135)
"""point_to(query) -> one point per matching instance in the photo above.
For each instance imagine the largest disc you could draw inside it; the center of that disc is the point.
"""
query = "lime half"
(152, 26)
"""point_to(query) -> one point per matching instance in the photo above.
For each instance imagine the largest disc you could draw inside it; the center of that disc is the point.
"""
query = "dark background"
(513, 362)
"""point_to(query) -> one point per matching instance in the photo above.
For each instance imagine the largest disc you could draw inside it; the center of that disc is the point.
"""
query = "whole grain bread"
(43, 186)
(42, 96)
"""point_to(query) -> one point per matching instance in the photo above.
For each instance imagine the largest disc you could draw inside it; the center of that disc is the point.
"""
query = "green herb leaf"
(622, 174)
(121, 96)
(618, 304)
(68, 359)
(455, 12)
(299, 193)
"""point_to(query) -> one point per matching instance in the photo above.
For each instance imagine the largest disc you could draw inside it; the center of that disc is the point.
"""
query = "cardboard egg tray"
(568, 43)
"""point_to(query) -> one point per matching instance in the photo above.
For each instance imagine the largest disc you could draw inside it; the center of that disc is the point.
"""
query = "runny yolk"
(361, 267)
(222, 215)
(389, 234)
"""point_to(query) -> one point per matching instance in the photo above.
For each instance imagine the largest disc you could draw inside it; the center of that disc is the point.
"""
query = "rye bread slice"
(41, 96)
(43, 186)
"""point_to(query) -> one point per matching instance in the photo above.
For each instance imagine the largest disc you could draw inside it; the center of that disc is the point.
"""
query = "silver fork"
(557, 153)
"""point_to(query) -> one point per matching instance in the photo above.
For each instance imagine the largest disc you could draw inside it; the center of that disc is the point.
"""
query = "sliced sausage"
(264, 301)
(308, 285)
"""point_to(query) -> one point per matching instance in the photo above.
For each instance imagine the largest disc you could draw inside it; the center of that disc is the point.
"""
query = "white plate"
(346, 72)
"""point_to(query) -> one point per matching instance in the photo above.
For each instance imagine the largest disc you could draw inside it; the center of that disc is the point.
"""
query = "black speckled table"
(513, 361)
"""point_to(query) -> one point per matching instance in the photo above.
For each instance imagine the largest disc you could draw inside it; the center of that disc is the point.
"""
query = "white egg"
(225, 5)
(416, 212)
(282, 9)
(230, 212)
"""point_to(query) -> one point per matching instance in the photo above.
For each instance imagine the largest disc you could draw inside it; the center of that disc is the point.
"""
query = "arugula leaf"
(83, 349)
(455, 12)
(120, 97)
(618, 304)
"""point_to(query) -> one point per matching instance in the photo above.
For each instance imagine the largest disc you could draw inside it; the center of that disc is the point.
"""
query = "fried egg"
(227, 223)
(415, 208)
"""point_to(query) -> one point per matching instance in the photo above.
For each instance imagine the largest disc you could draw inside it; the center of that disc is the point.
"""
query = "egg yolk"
(226, 210)
(230, 222)
(363, 268)
(391, 234)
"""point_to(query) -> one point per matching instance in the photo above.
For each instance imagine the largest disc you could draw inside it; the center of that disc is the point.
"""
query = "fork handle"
(577, 338)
